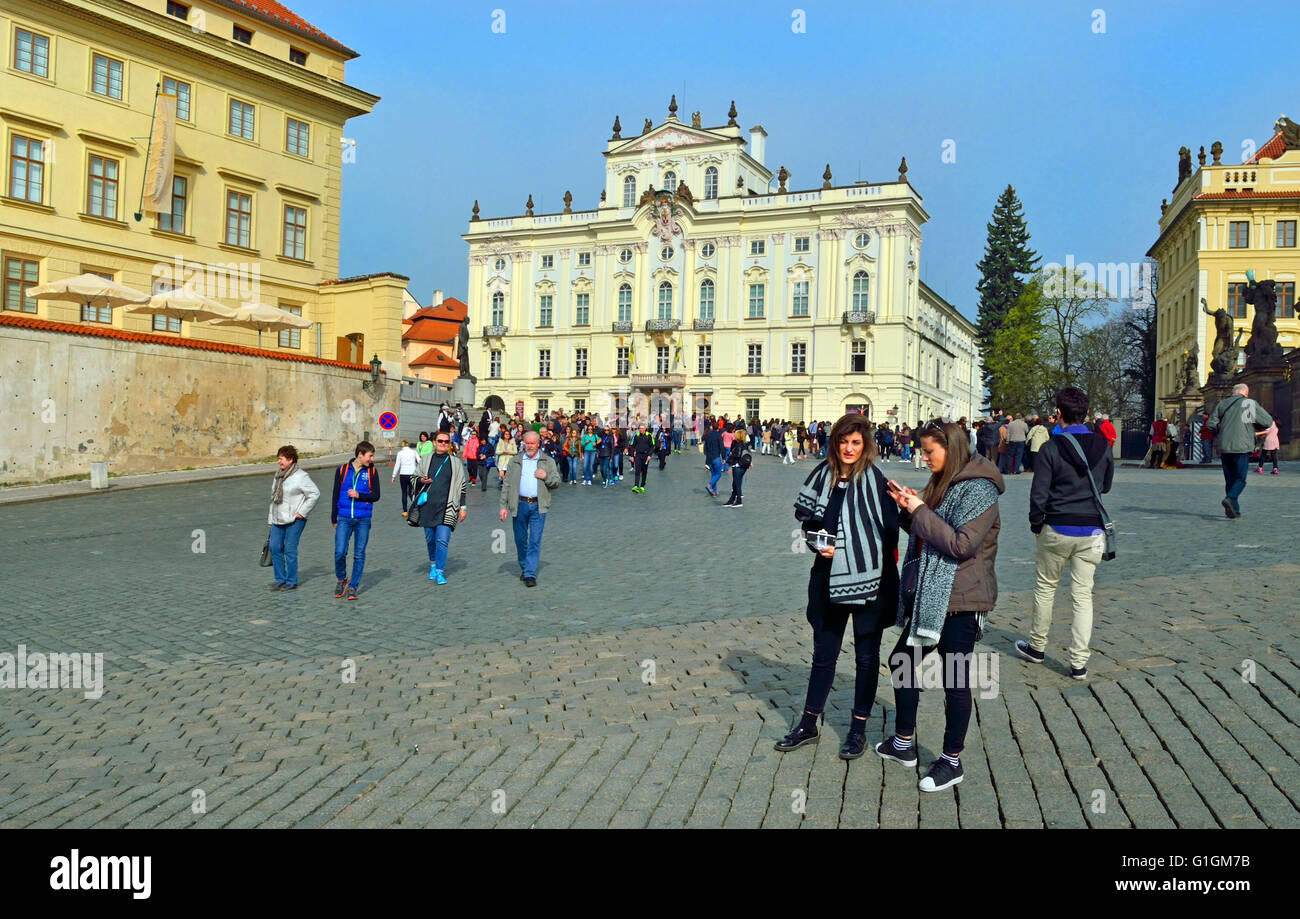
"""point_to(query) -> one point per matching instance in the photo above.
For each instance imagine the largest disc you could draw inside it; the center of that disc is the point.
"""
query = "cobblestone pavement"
(485, 703)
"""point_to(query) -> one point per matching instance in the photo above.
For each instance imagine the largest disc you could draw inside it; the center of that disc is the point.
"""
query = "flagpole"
(139, 213)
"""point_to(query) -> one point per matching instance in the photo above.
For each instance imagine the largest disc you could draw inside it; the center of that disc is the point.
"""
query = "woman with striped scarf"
(851, 525)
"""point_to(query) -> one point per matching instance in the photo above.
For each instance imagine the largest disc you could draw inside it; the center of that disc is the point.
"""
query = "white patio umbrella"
(182, 304)
(264, 318)
(89, 290)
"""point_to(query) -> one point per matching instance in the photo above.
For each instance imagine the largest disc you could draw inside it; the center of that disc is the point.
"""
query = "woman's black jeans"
(408, 486)
(956, 639)
(737, 479)
(828, 621)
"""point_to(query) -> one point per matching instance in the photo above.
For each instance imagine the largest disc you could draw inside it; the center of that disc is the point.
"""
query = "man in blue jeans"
(526, 496)
(713, 456)
(1234, 423)
(356, 489)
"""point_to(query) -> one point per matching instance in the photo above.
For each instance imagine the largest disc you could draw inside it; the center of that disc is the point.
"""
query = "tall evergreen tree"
(1007, 256)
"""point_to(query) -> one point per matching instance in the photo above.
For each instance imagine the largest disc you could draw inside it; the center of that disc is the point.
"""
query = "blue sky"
(1086, 125)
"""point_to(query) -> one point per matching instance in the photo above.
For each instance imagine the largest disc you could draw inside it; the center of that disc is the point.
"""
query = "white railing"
(505, 223)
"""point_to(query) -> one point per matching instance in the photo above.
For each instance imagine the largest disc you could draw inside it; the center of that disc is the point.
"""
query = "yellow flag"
(162, 157)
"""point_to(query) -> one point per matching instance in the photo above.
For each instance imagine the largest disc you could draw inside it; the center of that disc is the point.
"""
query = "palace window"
(755, 364)
(498, 308)
(861, 240)
(711, 182)
(756, 294)
(622, 361)
(801, 244)
(582, 310)
(858, 357)
(799, 299)
(706, 299)
(27, 169)
(1239, 234)
(241, 119)
(494, 365)
(106, 77)
(666, 253)
(704, 360)
(579, 405)
(584, 259)
(20, 275)
(707, 250)
(179, 10)
(499, 264)
(174, 222)
(295, 232)
(1286, 234)
(298, 57)
(662, 359)
(625, 255)
(548, 262)
(1285, 299)
(181, 90)
(291, 338)
(579, 362)
(31, 53)
(625, 303)
(544, 362)
(751, 409)
(1237, 300)
(544, 318)
(670, 181)
(861, 290)
(629, 191)
(239, 219)
(758, 247)
(666, 300)
(799, 357)
(297, 138)
(91, 312)
(101, 188)
(242, 35)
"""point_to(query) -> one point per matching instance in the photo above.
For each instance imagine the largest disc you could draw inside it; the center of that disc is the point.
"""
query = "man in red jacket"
(1106, 429)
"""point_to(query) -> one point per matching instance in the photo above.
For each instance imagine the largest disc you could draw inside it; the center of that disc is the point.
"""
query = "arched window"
(711, 182)
(666, 300)
(498, 308)
(861, 284)
(629, 191)
(706, 299)
(670, 181)
(625, 303)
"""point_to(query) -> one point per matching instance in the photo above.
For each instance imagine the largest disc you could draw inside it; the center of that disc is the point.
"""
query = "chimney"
(758, 143)
(437, 297)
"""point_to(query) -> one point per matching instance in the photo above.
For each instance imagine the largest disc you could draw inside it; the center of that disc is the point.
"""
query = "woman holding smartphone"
(852, 526)
(949, 587)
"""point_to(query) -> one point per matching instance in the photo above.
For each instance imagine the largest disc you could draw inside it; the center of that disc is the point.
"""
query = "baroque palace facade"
(1223, 220)
(693, 287)
(260, 151)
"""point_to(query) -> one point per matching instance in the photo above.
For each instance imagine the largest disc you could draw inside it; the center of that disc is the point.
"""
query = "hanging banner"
(162, 157)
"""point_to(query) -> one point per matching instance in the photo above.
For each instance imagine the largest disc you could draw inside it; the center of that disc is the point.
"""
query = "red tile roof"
(98, 331)
(434, 358)
(450, 308)
(434, 330)
(282, 15)
(1280, 193)
(1271, 150)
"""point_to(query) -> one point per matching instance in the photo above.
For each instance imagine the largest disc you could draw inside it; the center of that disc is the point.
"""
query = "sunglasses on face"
(442, 440)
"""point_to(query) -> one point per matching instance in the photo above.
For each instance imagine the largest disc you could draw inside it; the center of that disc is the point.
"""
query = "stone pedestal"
(462, 391)
(99, 475)
(1217, 388)
(1263, 382)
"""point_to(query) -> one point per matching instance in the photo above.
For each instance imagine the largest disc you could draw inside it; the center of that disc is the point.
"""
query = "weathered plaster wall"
(69, 400)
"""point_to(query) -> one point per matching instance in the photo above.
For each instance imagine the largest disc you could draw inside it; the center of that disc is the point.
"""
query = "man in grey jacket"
(526, 496)
(1233, 423)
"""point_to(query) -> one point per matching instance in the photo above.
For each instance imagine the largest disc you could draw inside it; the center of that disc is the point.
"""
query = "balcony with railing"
(494, 331)
(858, 317)
(703, 325)
(663, 325)
(623, 325)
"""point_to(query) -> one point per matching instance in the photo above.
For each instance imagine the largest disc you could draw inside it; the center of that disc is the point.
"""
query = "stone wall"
(71, 395)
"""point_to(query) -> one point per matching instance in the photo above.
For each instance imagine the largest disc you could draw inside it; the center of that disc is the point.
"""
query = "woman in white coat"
(293, 495)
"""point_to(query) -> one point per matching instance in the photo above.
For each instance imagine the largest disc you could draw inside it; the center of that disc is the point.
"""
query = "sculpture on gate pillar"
(1262, 350)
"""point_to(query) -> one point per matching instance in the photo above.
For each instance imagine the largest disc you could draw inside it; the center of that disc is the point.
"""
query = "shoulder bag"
(1108, 528)
(265, 561)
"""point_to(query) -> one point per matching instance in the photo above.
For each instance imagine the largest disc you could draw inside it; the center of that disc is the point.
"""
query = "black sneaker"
(887, 750)
(339, 588)
(1078, 673)
(854, 745)
(1029, 654)
(942, 774)
(1228, 509)
(796, 738)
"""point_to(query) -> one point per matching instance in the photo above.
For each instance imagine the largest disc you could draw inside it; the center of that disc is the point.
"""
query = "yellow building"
(260, 154)
(1223, 220)
(694, 285)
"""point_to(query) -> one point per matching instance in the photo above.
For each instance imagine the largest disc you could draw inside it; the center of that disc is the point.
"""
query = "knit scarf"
(857, 563)
(277, 492)
(963, 503)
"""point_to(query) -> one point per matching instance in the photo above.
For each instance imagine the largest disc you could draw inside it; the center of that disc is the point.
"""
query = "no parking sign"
(388, 421)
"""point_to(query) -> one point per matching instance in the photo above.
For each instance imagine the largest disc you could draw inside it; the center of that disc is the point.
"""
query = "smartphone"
(894, 487)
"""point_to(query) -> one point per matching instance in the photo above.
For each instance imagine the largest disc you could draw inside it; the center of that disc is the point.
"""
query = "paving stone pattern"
(485, 703)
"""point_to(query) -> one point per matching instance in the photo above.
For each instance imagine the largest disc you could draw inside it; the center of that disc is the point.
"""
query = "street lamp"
(375, 364)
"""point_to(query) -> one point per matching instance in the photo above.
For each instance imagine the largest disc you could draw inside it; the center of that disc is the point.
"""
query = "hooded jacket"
(974, 545)
(1060, 493)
